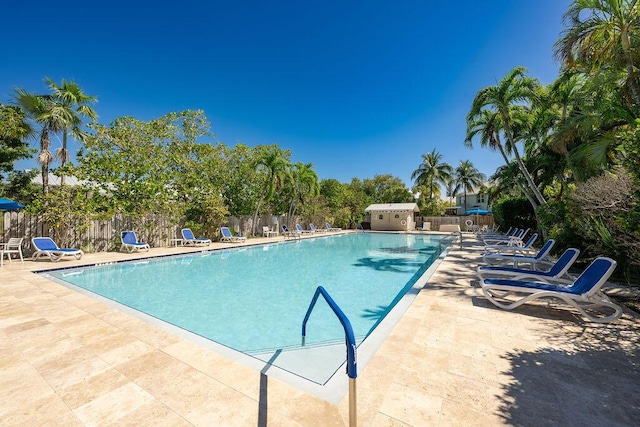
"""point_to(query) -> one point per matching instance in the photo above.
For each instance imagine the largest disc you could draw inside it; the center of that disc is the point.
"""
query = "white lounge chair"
(512, 248)
(228, 237)
(130, 242)
(516, 237)
(556, 272)
(516, 259)
(45, 246)
(583, 293)
(189, 239)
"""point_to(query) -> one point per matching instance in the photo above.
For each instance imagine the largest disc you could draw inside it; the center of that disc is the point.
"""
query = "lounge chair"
(583, 293)
(302, 231)
(130, 242)
(13, 246)
(45, 246)
(189, 239)
(228, 237)
(426, 226)
(516, 259)
(314, 229)
(516, 237)
(290, 233)
(556, 272)
(330, 228)
(517, 247)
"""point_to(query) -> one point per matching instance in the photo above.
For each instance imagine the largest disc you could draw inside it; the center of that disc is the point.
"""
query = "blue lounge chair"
(130, 242)
(288, 233)
(556, 272)
(228, 237)
(314, 229)
(330, 228)
(512, 248)
(45, 246)
(301, 230)
(583, 293)
(516, 259)
(189, 239)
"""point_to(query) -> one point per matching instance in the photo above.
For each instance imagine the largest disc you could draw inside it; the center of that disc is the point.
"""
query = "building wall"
(481, 201)
(392, 221)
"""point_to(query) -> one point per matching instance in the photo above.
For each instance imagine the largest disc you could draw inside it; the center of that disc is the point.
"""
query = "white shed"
(393, 216)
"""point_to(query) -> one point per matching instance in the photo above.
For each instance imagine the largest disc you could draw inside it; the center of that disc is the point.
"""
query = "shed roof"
(393, 207)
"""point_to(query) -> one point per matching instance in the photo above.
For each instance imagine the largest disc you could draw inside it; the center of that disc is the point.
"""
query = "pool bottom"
(322, 379)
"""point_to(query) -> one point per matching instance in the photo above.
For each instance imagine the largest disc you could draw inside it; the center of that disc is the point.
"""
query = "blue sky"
(356, 88)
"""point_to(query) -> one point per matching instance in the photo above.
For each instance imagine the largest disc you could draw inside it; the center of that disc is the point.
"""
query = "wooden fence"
(101, 236)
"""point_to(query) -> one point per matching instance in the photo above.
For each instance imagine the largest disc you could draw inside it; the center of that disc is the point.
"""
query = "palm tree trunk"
(255, 218)
(633, 82)
(63, 159)
(523, 168)
(45, 179)
(522, 187)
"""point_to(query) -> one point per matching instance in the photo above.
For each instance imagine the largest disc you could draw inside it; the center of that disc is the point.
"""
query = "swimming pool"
(253, 299)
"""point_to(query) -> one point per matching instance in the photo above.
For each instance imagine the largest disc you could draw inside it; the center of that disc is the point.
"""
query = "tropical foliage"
(571, 147)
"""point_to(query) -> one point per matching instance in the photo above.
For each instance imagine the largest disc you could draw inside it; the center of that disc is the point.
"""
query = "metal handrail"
(352, 363)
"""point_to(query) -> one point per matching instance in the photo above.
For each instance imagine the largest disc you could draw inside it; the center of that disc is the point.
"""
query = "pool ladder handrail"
(352, 363)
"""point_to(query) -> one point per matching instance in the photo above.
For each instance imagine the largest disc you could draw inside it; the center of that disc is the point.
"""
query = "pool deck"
(452, 359)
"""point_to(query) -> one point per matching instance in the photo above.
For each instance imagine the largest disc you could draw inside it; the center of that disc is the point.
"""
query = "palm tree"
(452, 187)
(274, 162)
(432, 171)
(487, 125)
(600, 33)
(51, 117)
(468, 178)
(75, 102)
(504, 99)
(304, 183)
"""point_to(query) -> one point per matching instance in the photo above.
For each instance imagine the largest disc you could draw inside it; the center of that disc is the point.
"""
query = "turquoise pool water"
(254, 299)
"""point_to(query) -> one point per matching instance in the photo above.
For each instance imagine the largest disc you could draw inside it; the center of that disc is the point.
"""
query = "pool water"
(254, 299)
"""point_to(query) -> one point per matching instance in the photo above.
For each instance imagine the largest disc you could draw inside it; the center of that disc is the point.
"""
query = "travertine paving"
(453, 359)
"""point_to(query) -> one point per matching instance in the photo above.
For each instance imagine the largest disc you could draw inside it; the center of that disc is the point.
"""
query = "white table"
(176, 242)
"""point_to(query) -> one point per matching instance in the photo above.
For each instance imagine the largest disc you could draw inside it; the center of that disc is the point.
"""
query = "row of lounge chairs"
(47, 247)
(299, 231)
(518, 274)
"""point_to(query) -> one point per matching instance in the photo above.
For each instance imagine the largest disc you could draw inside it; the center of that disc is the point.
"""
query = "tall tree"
(452, 187)
(14, 130)
(468, 178)
(50, 117)
(432, 171)
(75, 103)
(304, 183)
(509, 95)
(274, 162)
(601, 34)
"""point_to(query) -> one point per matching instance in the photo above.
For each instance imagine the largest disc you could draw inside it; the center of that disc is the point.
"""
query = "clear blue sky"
(357, 88)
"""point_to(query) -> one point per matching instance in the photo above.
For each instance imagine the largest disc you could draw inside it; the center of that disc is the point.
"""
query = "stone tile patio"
(452, 359)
